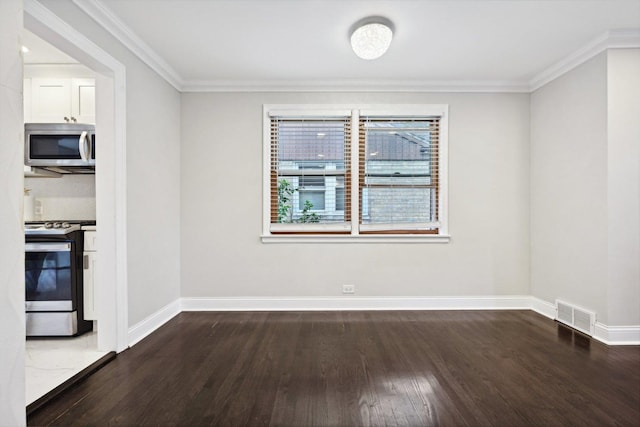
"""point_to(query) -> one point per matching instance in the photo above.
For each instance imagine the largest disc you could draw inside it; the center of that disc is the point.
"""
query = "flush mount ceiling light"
(371, 37)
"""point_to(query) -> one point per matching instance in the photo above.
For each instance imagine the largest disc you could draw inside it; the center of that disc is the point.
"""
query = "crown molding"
(355, 86)
(109, 21)
(614, 39)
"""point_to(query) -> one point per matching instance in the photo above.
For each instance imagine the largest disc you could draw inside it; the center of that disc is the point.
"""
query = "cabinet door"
(83, 100)
(89, 285)
(51, 100)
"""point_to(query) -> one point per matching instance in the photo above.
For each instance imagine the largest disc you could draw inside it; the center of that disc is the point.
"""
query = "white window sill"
(379, 238)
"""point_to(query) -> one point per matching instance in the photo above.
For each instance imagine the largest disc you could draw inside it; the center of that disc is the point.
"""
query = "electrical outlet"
(348, 289)
(39, 209)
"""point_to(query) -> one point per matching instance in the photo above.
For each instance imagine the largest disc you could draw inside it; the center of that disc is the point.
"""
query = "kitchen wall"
(71, 197)
(153, 172)
(12, 329)
(585, 188)
(222, 255)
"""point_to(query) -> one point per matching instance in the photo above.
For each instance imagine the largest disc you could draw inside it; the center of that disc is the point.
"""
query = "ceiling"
(41, 52)
(243, 43)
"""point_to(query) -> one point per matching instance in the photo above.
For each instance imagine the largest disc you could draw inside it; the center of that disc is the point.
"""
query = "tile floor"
(50, 362)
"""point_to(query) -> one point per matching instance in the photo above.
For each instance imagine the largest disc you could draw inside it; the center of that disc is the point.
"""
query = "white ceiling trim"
(355, 86)
(109, 21)
(615, 39)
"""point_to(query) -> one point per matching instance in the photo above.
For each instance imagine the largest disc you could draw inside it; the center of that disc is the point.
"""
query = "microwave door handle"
(83, 146)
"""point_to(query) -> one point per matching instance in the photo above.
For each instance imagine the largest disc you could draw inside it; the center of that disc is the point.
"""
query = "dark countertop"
(70, 221)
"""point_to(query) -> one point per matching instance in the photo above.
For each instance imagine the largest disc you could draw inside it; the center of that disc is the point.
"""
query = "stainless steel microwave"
(61, 147)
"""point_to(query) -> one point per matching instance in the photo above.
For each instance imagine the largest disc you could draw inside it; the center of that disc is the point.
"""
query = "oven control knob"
(65, 225)
(56, 225)
(48, 225)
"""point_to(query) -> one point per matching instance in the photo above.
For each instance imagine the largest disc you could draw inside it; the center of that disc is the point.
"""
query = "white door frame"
(111, 177)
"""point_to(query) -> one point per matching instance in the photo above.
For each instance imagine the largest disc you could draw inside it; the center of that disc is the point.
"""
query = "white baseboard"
(356, 303)
(143, 328)
(617, 335)
(610, 335)
(543, 307)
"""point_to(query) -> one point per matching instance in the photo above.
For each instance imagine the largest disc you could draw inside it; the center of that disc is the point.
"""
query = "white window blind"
(310, 174)
(399, 174)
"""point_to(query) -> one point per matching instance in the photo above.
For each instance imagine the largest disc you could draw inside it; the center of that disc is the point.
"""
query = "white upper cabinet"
(83, 100)
(60, 100)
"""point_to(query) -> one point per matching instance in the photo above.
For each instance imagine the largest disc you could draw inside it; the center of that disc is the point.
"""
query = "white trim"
(544, 308)
(356, 303)
(610, 335)
(118, 29)
(112, 216)
(617, 335)
(266, 169)
(615, 39)
(455, 86)
(355, 238)
(355, 169)
(443, 165)
(146, 326)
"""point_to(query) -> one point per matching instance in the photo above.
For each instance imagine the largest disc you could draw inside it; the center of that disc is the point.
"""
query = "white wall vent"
(576, 317)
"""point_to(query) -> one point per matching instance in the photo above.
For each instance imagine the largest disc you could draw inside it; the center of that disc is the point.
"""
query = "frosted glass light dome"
(371, 38)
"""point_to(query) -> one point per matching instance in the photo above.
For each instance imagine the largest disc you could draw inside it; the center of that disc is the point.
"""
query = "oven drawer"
(52, 324)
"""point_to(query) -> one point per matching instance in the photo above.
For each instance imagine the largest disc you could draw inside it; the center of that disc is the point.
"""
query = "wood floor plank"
(385, 368)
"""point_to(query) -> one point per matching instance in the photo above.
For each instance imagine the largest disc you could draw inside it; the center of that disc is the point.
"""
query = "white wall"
(57, 71)
(153, 172)
(585, 188)
(569, 188)
(222, 207)
(70, 197)
(12, 329)
(623, 158)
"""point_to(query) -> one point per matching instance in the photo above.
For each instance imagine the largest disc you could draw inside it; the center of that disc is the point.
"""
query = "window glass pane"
(312, 143)
(397, 205)
(399, 175)
(313, 199)
(340, 199)
(311, 181)
(308, 159)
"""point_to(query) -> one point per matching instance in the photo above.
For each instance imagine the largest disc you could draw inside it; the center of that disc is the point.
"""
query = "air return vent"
(576, 317)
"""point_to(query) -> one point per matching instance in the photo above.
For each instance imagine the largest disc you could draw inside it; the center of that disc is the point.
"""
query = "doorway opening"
(110, 178)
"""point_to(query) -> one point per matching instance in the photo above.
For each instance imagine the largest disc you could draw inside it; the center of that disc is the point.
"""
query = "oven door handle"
(84, 146)
(47, 247)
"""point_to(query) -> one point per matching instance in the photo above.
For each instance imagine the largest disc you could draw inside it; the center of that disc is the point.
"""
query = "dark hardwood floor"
(447, 368)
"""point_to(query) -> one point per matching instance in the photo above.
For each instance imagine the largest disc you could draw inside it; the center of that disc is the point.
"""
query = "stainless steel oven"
(53, 281)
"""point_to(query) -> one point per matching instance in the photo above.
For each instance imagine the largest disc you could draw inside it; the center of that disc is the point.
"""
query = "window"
(308, 157)
(391, 183)
(399, 174)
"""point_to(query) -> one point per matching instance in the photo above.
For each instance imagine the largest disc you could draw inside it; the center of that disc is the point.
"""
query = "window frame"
(327, 233)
